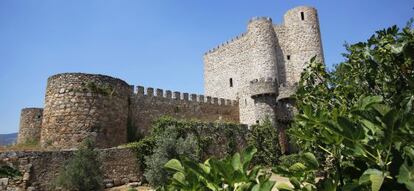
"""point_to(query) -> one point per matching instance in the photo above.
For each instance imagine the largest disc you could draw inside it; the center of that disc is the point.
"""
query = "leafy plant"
(359, 117)
(82, 171)
(265, 138)
(168, 147)
(231, 173)
(9, 172)
(302, 173)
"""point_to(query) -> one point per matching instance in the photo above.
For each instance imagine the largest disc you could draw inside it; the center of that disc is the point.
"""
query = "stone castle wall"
(78, 106)
(148, 105)
(30, 125)
(40, 168)
(265, 50)
(103, 108)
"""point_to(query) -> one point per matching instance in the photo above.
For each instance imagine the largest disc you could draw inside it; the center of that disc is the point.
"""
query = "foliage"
(203, 143)
(301, 170)
(9, 172)
(82, 171)
(360, 116)
(169, 147)
(231, 173)
(265, 138)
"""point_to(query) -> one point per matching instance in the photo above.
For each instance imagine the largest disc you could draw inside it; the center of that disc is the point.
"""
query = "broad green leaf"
(235, 162)
(297, 167)
(310, 159)
(174, 164)
(265, 186)
(295, 182)
(376, 177)
(179, 177)
(283, 186)
(406, 176)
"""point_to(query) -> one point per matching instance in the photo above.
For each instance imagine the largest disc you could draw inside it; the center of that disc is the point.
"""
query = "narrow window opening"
(302, 16)
(288, 57)
(245, 101)
(257, 121)
(231, 82)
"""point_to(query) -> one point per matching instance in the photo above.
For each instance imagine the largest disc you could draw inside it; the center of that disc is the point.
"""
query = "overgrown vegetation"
(172, 138)
(82, 171)
(169, 147)
(358, 119)
(265, 138)
(231, 173)
(355, 126)
(7, 171)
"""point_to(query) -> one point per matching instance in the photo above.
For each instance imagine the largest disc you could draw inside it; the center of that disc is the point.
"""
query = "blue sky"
(151, 42)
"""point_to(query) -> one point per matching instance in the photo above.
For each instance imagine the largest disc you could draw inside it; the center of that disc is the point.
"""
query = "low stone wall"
(40, 168)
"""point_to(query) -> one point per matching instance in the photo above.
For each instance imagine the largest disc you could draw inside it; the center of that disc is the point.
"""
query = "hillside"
(7, 139)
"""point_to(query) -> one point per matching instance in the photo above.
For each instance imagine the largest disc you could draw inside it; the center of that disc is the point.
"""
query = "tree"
(82, 171)
(360, 116)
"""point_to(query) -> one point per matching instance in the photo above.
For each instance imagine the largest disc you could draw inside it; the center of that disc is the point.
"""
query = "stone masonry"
(265, 51)
(246, 80)
(30, 125)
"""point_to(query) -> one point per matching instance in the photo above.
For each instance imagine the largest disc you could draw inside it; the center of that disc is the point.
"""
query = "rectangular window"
(288, 57)
(302, 15)
(231, 82)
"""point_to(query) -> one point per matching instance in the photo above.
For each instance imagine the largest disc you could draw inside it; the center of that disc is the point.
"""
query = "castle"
(247, 80)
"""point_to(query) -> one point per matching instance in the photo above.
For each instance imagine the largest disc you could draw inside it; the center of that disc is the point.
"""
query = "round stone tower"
(80, 106)
(262, 39)
(30, 125)
(257, 95)
(303, 40)
(264, 93)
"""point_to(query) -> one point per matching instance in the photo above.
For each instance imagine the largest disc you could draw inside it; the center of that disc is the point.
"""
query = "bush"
(194, 139)
(169, 147)
(230, 173)
(82, 171)
(265, 139)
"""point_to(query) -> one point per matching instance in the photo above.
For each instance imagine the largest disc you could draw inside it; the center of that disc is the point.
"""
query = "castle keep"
(246, 80)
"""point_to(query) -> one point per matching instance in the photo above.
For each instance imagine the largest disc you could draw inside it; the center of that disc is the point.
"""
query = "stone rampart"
(40, 168)
(147, 105)
(79, 106)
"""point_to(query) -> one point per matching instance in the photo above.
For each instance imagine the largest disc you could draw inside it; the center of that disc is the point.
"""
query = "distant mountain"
(7, 139)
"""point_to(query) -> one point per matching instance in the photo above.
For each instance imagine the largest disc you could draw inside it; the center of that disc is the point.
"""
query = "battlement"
(286, 90)
(260, 19)
(262, 86)
(226, 43)
(175, 95)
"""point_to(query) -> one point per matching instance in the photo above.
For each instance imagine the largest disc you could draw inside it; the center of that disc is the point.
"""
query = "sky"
(151, 42)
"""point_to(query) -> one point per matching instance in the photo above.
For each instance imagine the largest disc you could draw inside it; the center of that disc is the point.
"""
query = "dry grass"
(21, 147)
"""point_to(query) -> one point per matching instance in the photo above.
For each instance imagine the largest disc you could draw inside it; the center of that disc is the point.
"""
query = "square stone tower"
(262, 66)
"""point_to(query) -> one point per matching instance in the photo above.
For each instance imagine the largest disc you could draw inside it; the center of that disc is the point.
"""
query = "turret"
(80, 106)
(30, 125)
(264, 93)
(262, 40)
(303, 40)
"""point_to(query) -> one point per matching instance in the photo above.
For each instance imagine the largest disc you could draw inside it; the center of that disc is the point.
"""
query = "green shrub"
(8, 171)
(230, 173)
(194, 139)
(82, 171)
(361, 115)
(265, 138)
(166, 148)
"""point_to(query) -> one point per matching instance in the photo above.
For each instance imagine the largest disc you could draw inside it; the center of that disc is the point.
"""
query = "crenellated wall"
(104, 108)
(79, 106)
(266, 50)
(148, 105)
